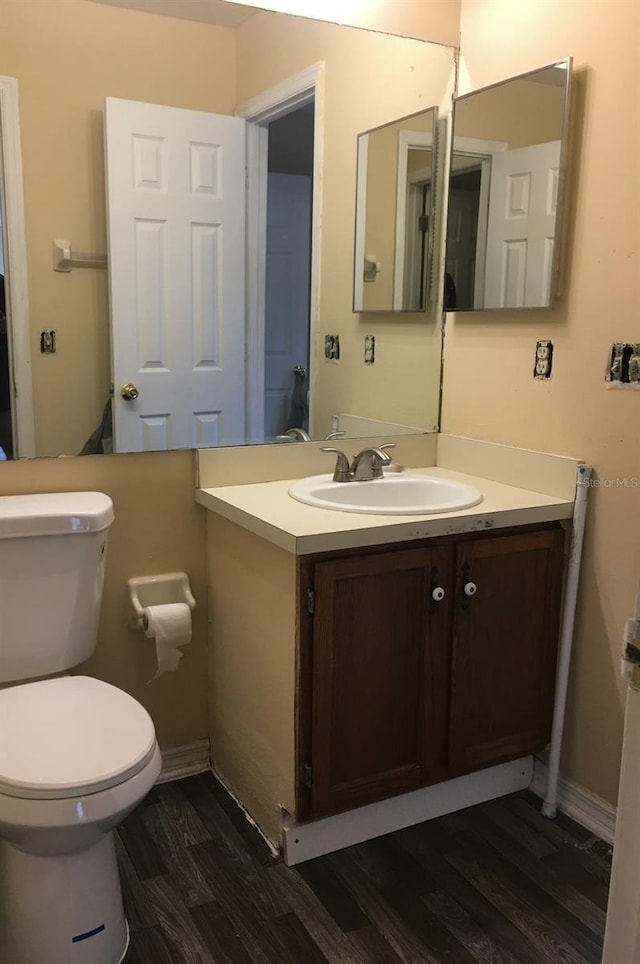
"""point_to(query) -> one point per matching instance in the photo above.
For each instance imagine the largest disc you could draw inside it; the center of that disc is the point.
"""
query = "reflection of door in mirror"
(504, 191)
(175, 196)
(523, 199)
(176, 237)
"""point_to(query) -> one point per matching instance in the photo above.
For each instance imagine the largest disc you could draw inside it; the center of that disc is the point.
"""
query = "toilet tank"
(52, 559)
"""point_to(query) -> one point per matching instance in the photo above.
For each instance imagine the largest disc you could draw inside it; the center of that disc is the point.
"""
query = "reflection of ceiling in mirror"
(204, 67)
(217, 12)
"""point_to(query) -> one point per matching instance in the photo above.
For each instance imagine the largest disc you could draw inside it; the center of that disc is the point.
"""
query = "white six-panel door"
(521, 225)
(176, 210)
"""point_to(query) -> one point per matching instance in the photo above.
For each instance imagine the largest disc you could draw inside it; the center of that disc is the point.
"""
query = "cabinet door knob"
(438, 594)
(470, 589)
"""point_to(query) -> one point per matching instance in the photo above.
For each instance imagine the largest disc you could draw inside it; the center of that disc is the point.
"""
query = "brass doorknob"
(129, 392)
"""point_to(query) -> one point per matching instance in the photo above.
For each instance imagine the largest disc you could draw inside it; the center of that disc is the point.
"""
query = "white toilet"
(76, 754)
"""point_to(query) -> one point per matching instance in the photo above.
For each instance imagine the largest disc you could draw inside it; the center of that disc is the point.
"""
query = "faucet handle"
(341, 472)
(393, 466)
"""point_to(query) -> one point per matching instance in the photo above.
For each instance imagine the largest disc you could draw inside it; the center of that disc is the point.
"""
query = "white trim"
(17, 292)
(361, 221)
(256, 235)
(480, 150)
(285, 97)
(581, 805)
(184, 761)
(477, 145)
(308, 840)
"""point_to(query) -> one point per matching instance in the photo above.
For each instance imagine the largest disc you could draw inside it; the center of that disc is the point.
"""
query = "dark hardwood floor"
(496, 883)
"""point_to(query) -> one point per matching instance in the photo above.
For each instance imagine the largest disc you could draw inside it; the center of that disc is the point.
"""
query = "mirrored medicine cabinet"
(506, 192)
(395, 214)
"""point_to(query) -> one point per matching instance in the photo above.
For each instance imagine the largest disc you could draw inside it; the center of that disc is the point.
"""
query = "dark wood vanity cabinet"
(420, 664)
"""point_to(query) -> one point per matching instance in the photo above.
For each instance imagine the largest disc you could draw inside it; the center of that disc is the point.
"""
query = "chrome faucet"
(366, 465)
(298, 435)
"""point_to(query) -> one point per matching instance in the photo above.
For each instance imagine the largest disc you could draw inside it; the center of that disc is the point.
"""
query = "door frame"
(16, 286)
(290, 94)
(480, 151)
(421, 140)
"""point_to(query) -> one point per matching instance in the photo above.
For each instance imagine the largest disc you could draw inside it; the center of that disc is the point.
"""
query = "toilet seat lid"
(70, 736)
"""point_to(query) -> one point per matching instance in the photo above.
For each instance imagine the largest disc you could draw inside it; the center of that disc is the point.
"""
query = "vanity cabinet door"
(505, 635)
(381, 676)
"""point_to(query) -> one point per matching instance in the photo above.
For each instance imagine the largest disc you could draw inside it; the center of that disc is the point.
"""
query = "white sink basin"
(392, 495)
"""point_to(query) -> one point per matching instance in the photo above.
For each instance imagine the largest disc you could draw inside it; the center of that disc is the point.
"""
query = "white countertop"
(267, 510)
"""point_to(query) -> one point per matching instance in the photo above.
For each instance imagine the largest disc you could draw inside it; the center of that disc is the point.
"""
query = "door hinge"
(311, 601)
(307, 775)
(423, 223)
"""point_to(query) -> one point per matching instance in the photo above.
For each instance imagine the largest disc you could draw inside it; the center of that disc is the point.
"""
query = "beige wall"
(67, 55)
(488, 388)
(403, 385)
(158, 528)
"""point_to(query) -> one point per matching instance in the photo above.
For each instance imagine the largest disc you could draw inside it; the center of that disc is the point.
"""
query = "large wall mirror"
(395, 215)
(301, 362)
(505, 192)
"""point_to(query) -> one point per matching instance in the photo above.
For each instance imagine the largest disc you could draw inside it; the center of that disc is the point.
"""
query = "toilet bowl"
(77, 756)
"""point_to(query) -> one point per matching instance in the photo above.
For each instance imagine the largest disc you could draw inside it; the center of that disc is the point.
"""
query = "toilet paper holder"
(167, 587)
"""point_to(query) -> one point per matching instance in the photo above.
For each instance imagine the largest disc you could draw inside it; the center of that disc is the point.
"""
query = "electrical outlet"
(544, 359)
(369, 349)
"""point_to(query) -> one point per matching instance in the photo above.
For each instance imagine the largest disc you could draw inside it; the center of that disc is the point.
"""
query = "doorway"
(288, 272)
(462, 261)
(284, 145)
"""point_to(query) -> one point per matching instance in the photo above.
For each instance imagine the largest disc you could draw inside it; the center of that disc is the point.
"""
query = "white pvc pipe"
(566, 638)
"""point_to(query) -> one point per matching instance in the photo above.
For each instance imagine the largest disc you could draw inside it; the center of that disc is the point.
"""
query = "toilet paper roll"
(170, 626)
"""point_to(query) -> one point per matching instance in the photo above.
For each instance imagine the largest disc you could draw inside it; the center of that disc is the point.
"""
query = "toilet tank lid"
(54, 513)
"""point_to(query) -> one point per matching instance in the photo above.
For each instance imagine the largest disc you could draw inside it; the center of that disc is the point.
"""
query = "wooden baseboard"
(581, 805)
(184, 761)
(317, 837)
